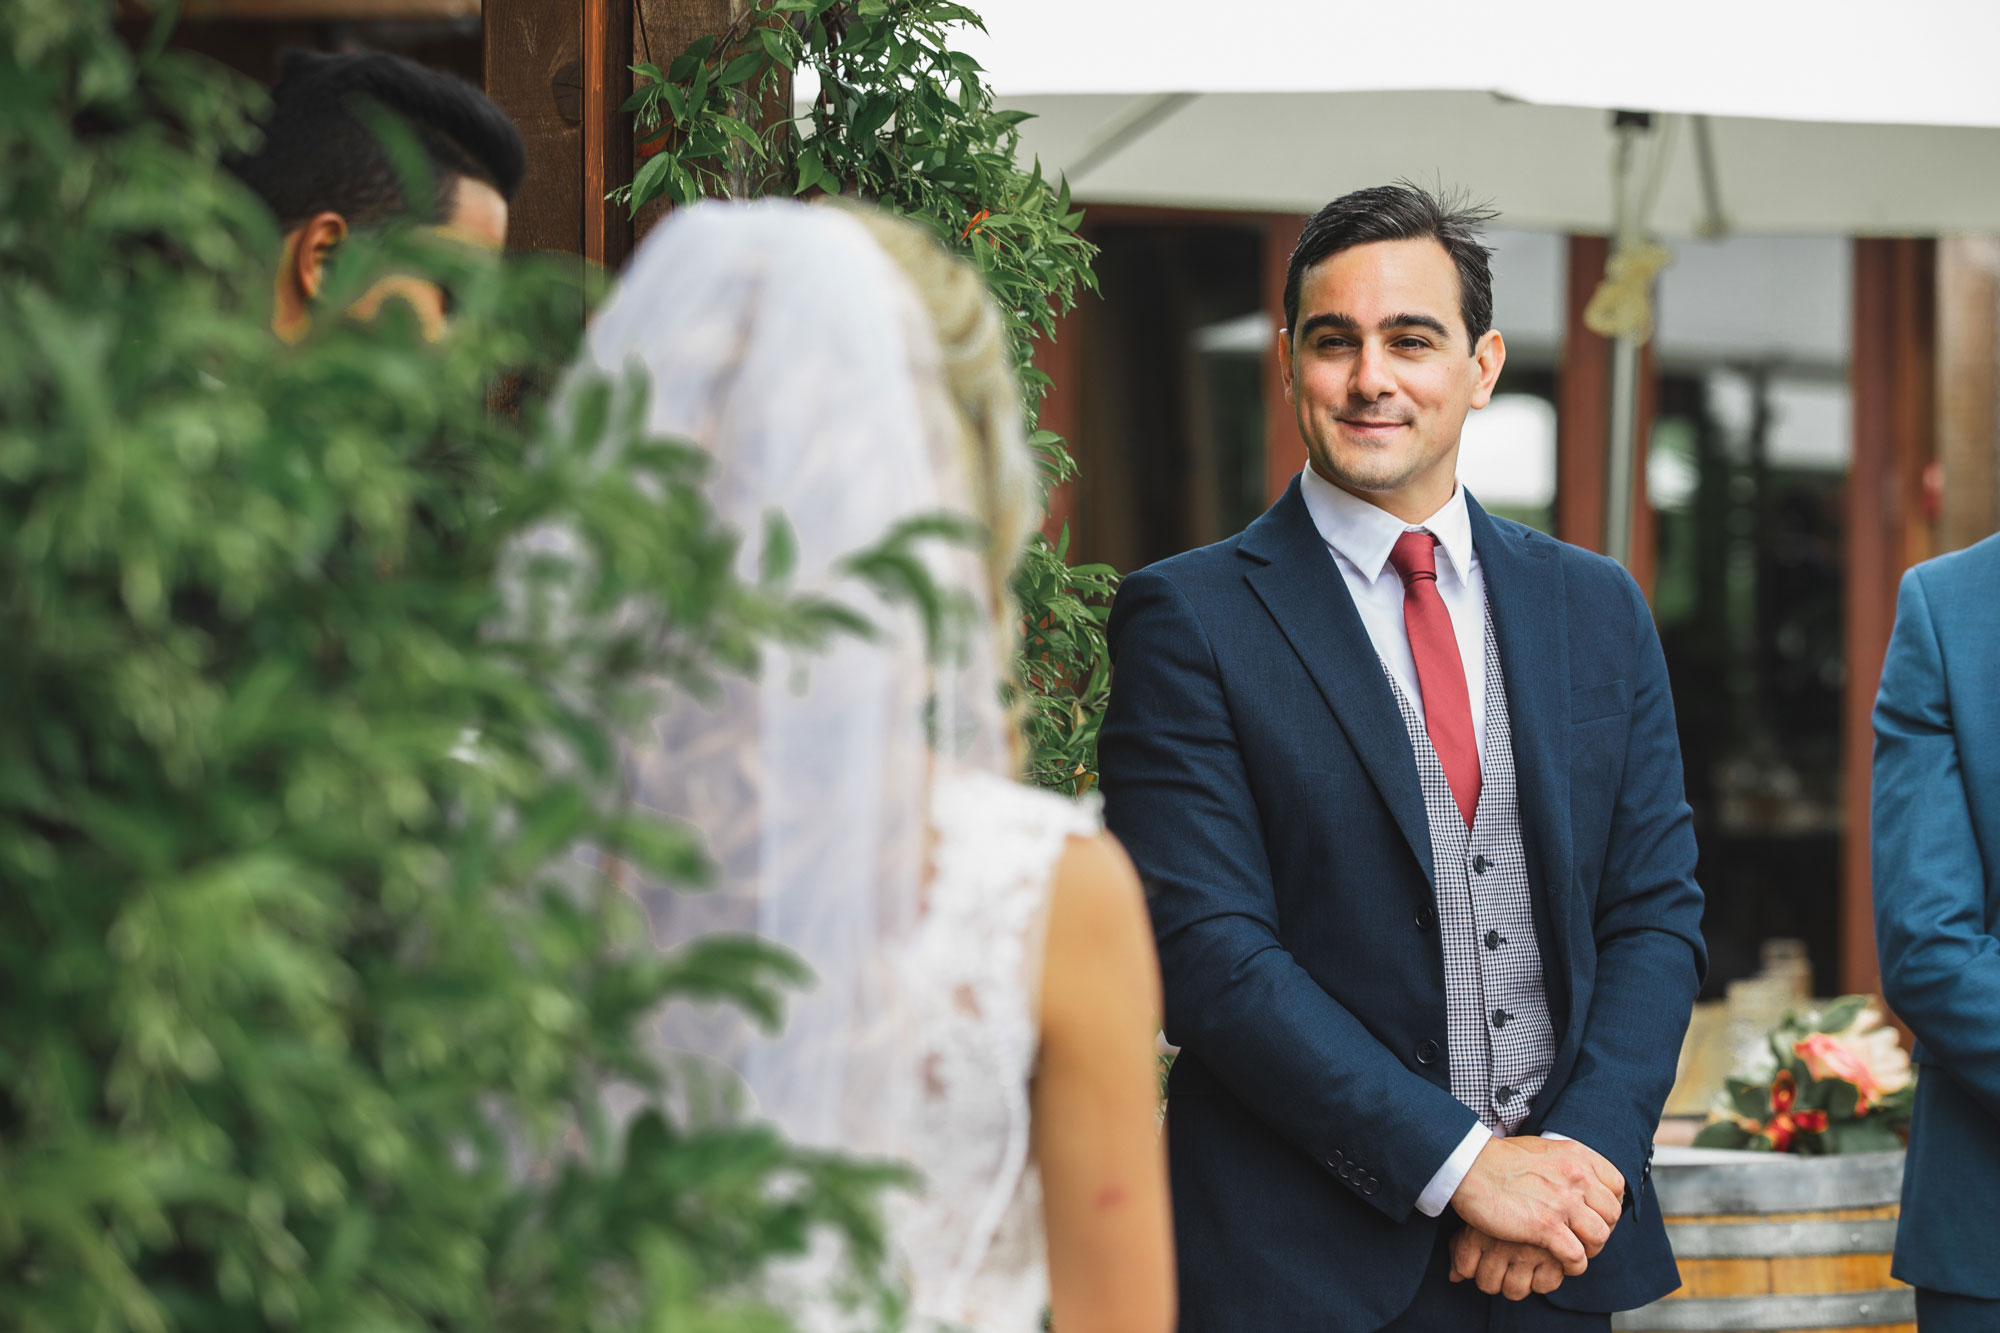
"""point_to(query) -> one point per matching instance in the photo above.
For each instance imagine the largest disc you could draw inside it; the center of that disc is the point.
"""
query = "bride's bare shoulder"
(1099, 936)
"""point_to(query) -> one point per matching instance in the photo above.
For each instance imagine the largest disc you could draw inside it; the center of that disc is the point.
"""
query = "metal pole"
(1632, 211)
(1623, 441)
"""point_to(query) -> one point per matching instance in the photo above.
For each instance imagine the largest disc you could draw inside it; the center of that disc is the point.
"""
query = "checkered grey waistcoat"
(1499, 1037)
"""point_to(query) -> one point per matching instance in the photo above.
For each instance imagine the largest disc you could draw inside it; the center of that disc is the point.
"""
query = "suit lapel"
(1303, 590)
(1524, 589)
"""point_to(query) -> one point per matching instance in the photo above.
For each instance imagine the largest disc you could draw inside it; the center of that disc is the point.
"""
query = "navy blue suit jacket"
(1255, 766)
(1936, 851)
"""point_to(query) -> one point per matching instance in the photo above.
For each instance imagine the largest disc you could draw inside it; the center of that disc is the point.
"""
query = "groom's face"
(1381, 373)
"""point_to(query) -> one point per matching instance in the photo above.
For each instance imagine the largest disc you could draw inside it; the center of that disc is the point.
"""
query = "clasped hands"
(1536, 1211)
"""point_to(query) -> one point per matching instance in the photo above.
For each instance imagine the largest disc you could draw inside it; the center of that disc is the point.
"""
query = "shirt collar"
(1364, 534)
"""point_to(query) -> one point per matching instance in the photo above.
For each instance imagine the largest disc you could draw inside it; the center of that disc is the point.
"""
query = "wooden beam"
(1968, 389)
(607, 131)
(1893, 380)
(1060, 358)
(326, 10)
(534, 54)
(1583, 403)
(1583, 422)
(1284, 450)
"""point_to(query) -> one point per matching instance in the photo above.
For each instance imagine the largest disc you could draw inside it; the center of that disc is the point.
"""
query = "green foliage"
(309, 994)
(903, 120)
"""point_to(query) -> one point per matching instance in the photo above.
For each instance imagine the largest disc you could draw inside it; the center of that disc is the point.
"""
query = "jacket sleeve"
(1178, 795)
(1940, 963)
(1647, 928)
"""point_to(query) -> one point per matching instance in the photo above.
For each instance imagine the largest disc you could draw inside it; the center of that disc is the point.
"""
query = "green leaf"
(652, 175)
(781, 549)
(742, 67)
(1841, 1013)
(775, 46)
(667, 852)
(1722, 1134)
(741, 131)
(1869, 1134)
(1752, 1101)
(811, 173)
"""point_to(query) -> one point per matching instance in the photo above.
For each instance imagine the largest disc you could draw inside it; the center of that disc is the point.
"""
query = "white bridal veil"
(787, 342)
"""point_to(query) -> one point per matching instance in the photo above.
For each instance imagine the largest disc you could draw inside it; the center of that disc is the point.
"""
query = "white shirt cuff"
(1551, 1134)
(1452, 1174)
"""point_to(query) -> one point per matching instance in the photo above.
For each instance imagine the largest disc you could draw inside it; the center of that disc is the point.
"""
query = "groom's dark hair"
(1402, 212)
(320, 152)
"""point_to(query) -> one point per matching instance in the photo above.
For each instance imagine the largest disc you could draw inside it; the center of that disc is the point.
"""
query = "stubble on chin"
(1372, 475)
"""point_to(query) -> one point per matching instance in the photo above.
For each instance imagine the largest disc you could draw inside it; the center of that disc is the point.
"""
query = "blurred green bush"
(307, 994)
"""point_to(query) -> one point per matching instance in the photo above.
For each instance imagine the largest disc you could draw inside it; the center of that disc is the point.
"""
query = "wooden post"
(1284, 451)
(1583, 417)
(607, 131)
(534, 54)
(1583, 403)
(1894, 370)
(1060, 358)
(1968, 389)
(561, 69)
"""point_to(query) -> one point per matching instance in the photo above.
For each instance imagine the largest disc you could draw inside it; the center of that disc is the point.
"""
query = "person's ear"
(1285, 360)
(318, 235)
(1489, 357)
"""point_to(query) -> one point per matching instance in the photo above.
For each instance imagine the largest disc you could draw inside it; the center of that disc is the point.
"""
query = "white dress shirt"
(1360, 537)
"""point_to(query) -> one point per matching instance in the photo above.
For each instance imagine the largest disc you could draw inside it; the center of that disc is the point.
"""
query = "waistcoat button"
(1494, 939)
(1479, 864)
(1500, 1017)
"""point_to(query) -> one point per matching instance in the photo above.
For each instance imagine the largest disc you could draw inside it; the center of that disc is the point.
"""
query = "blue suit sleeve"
(1940, 963)
(1178, 795)
(1647, 927)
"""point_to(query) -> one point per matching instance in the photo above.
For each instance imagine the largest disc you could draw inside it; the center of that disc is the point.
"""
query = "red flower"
(1784, 1091)
(1786, 1124)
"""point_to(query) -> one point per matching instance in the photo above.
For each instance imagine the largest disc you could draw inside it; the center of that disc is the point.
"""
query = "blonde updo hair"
(986, 401)
(979, 377)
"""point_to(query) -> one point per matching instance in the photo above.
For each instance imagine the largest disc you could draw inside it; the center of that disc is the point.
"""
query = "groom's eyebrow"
(1343, 323)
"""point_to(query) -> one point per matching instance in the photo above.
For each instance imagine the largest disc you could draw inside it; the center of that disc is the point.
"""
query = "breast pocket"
(1596, 702)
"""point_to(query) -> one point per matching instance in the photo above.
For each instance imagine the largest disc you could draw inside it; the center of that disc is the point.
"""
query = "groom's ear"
(1490, 355)
(1285, 360)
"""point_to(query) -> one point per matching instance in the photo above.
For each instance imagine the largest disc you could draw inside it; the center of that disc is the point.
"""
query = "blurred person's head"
(1388, 342)
(325, 170)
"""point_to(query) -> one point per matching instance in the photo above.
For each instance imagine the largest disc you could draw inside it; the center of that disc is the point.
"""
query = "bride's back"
(859, 804)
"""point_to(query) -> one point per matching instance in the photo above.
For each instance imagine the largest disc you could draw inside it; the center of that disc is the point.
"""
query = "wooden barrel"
(1774, 1242)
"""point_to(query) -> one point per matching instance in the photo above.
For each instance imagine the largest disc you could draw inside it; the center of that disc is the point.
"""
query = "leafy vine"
(888, 111)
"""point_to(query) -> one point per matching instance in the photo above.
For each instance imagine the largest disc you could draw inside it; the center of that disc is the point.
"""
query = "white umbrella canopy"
(1831, 117)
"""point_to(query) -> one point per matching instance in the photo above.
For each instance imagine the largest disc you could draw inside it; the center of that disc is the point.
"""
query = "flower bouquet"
(1836, 1081)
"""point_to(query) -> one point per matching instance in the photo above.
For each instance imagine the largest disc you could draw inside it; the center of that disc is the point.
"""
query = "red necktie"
(1440, 672)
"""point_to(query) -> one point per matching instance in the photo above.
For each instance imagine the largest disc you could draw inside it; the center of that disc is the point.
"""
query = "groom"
(1403, 783)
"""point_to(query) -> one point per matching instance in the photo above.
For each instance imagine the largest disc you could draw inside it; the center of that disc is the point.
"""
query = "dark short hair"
(1402, 212)
(320, 153)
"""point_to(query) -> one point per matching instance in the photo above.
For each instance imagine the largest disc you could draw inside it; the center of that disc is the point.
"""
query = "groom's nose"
(1372, 376)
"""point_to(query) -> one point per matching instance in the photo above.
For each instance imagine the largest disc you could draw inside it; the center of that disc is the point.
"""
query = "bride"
(985, 991)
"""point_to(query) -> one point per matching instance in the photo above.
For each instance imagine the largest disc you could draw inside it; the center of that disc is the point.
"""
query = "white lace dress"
(971, 1243)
